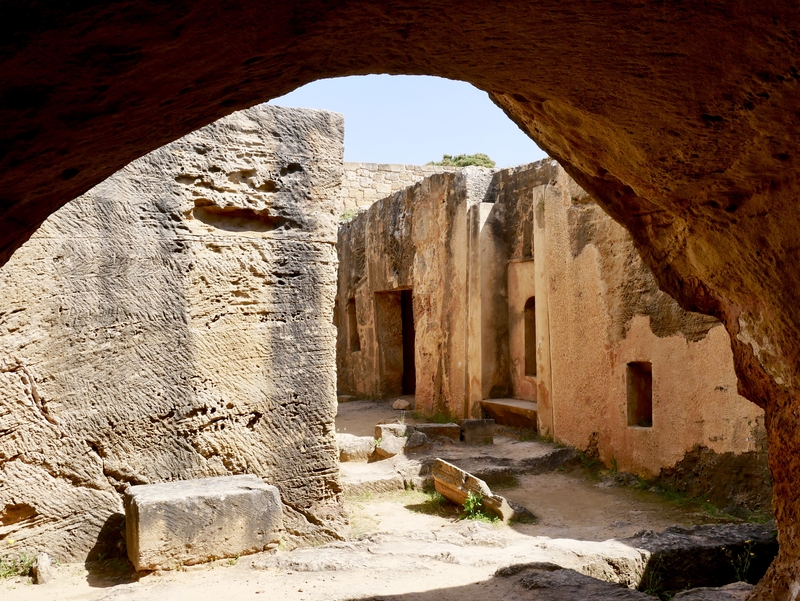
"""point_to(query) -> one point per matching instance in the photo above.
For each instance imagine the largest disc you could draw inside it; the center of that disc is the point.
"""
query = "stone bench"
(193, 521)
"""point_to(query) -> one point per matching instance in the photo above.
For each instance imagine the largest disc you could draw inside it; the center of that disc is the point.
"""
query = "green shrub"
(464, 160)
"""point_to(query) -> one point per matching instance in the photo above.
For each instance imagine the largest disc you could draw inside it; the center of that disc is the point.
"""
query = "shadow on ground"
(107, 563)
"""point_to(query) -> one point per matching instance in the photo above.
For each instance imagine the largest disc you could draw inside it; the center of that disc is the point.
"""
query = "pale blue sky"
(414, 119)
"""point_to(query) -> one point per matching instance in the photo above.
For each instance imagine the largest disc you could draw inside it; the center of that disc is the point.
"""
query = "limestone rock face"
(174, 323)
(682, 120)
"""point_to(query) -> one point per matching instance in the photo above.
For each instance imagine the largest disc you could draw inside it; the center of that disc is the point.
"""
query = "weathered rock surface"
(401, 405)
(550, 582)
(738, 591)
(389, 446)
(193, 521)
(455, 485)
(477, 431)
(705, 556)
(354, 448)
(43, 570)
(181, 330)
(694, 148)
(396, 430)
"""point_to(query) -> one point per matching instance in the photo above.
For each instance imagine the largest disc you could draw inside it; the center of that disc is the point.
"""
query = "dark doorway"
(530, 337)
(395, 334)
(409, 365)
(640, 394)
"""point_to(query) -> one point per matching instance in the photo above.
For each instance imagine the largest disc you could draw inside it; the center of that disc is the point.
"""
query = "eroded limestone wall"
(415, 239)
(604, 310)
(365, 183)
(175, 322)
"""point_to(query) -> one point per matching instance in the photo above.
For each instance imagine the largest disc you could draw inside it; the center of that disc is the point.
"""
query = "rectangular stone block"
(433, 430)
(192, 521)
(477, 431)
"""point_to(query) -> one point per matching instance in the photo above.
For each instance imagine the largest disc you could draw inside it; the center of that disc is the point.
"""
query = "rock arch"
(682, 119)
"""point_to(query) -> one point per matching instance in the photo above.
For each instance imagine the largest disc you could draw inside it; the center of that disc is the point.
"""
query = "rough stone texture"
(43, 570)
(354, 448)
(387, 430)
(705, 556)
(414, 240)
(181, 329)
(193, 521)
(477, 431)
(736, 481)
(390, 446)
(738, 591)
(681, 119)
(597, 308)
(550, 582)
(364, 183)
(401, 405)
(416, 440)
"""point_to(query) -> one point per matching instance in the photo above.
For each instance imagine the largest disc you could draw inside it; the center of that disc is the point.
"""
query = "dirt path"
(404, 545)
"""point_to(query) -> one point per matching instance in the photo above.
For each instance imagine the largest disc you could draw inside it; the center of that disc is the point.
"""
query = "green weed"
(348, 215)
(19, 564)
(473, 509)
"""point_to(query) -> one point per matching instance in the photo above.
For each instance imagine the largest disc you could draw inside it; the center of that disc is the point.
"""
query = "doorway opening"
(640, 394)
(395, 321)
(530, 337)
(409, 366)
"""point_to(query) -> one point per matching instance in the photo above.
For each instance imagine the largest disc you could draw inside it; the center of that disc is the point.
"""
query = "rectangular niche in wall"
(640, 394)
(352, 326)
(530, 337)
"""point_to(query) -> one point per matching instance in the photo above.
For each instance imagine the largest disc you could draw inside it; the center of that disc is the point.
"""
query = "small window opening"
(640, 394)
(352, 326)
(530, 337)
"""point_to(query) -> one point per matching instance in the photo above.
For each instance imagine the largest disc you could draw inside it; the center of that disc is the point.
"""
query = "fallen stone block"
(193, 521)
(43, 571)
(401, 405)
(477, 431)
(452, 431)
(455, 484)
(711, 555)
(354, 448)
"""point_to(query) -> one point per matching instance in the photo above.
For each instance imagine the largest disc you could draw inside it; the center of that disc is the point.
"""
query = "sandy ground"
(398, 550)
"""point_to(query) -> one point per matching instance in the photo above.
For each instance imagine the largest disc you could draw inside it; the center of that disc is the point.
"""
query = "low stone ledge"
(193, 521)
(451, 431)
